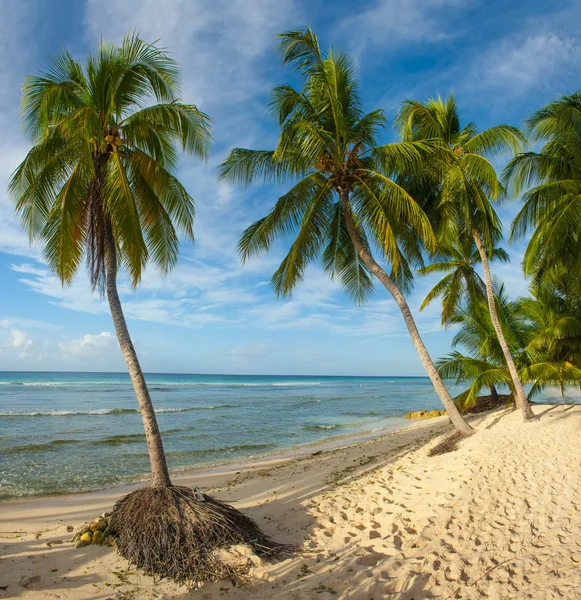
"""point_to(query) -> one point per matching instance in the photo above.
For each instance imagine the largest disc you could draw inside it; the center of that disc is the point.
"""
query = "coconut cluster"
(97, 532)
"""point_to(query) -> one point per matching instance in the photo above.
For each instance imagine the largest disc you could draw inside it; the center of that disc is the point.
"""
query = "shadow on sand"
(45, 561)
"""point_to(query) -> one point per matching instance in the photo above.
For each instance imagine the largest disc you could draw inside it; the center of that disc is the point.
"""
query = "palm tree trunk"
(493, 393)
(520, 396)
(159, 470)
(457, 419)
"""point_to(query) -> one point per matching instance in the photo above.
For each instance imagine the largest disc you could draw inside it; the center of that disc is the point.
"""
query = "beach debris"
(96, 532)
(448, 444)
(167, 532)
(199, 495)
(426, 414)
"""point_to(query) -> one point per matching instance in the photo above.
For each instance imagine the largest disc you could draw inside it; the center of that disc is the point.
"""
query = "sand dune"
(498, 518)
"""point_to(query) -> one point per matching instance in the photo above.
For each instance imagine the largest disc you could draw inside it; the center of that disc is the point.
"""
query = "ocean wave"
(63, 383)
(319, 427)
(161, 385)
(189, 408)
(240, 384)
(118, 440)
(222, 450)
(37, 447)
(111, 411)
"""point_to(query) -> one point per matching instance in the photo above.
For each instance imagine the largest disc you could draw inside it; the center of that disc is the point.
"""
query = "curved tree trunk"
(457, 419)
(159, 470)
(520, 396)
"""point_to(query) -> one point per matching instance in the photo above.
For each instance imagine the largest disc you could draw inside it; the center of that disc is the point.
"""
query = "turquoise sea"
(69, 432)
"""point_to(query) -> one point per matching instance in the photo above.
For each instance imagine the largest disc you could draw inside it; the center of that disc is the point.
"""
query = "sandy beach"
(498, 518)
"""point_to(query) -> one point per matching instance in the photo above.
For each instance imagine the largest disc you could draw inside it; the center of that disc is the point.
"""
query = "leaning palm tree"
(461, 281)
(467, 182)
(551, 180)
(98, 185)
(344, 203)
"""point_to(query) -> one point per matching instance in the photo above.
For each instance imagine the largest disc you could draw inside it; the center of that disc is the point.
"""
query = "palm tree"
(543, 331)
(467, 182)
(552, 327)
(552, 206)
(483, 364)
(98, 185)
(462, 281)
(344, 203)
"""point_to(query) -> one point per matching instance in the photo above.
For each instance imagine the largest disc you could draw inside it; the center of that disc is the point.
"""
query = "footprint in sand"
(29, 583)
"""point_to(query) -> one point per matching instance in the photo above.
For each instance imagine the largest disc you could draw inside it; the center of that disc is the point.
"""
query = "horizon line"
(125, 373)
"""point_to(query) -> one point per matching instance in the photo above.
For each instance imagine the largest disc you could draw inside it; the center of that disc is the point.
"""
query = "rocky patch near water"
(425, 414)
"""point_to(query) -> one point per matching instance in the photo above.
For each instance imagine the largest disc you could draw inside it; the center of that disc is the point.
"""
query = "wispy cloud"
(390, 23)
(252, 351)
(226, 50)
(519, 65)
(16, 26)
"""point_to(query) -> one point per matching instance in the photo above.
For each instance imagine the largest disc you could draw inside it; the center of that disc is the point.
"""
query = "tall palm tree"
(461, 280)
(344, 203)
(98, 185)
(467, 183)
(551, 180)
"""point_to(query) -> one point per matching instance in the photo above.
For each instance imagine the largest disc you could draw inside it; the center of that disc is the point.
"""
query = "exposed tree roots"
(173, 532)
(485, 403)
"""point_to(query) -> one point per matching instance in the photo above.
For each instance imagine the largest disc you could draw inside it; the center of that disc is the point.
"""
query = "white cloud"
(529, 62)
(15, 28)
(91, 345)
(252, 351)
(18, 340)
(30, 323)
(388, 23)
(219, 45)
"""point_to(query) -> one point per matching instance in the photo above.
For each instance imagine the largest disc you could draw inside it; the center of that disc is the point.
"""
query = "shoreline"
(217, 476)
(281, 454)
(377, 518)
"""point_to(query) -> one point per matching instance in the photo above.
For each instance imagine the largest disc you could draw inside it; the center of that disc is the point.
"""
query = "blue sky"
(213, 315)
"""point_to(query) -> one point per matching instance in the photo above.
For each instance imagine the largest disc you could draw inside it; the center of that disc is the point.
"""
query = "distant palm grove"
(99, 186)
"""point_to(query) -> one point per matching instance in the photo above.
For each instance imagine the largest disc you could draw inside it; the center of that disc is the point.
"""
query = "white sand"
(499, 519)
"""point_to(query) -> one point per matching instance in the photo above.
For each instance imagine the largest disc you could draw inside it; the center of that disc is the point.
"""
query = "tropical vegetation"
(550, 181)
(459, 262)
(466, 184)
(346, 203)
(98, 185)
(543, 331)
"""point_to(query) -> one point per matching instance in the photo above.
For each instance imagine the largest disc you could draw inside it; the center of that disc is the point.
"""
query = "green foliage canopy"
(105, 142)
